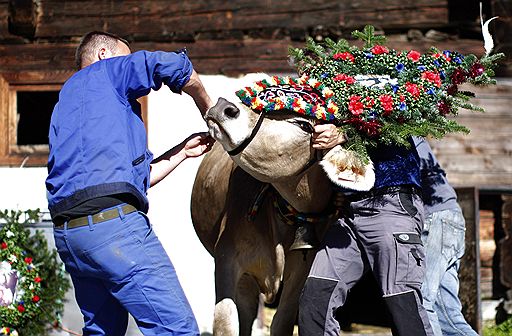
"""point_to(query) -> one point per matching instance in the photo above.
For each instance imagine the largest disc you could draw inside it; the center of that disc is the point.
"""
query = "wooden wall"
(483, 157)
(224, 37)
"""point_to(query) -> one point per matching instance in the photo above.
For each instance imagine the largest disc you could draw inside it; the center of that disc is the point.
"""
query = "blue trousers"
(443, 236)
(118, 267)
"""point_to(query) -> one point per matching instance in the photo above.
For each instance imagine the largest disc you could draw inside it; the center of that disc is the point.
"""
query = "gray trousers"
(381, 234)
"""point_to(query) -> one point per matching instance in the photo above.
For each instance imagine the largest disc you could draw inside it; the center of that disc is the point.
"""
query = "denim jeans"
(118, 267)
(443, 235)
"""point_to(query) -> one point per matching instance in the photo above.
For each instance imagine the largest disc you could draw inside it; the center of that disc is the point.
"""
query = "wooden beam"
(159, 19)
(469, 273)
(232, 57)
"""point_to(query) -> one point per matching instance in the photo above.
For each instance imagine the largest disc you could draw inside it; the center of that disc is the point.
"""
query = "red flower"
(452, 90)
(344, 56)
(4, 245)
(413, 55)
(21, 308)
(36, 298)
(413, 89)
(378, 49)
(444, 107)
(355, 106)
(458, 76)
(387, 104)
(342, 77)
(28, 260)
(432, 77)
(476, 70)
(37, 279)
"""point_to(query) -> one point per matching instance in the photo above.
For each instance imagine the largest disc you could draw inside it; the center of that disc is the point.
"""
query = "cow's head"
(267, 130)
(270, 146)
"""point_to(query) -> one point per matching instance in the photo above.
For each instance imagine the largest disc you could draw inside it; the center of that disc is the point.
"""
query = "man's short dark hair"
(91, 42)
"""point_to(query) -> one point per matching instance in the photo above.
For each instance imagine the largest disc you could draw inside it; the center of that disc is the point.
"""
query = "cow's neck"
(309, 192)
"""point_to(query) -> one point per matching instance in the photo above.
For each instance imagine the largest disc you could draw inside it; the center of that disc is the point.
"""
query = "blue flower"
(421, 68)
(442, 75)
(402, 106)
(436, 63)
(372, 115)
(395, 88)
(447, 53)
(431, 91)
(458, 60)
(368, 55)
(324, 75)
(399, 67)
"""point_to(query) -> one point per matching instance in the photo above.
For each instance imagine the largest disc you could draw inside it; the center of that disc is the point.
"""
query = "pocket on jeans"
(454, 232)
(410, 258)
(118, 258)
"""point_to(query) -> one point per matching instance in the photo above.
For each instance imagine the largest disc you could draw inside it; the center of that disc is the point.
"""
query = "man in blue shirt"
(98, 174)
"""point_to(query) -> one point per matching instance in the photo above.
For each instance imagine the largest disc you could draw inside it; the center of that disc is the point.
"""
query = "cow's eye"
(304, 125)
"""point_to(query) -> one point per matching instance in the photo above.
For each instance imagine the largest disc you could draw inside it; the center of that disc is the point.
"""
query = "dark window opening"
(464, 15)
(34, 112)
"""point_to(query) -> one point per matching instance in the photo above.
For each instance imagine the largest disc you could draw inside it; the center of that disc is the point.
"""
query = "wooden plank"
(153, 19)
(480, 146)
(4, 107)
(478, 178)
(43, 56)
(462, 163)
(212, 57)
(469, 273)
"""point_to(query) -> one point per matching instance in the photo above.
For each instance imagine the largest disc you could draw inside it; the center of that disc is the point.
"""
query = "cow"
(260, 175)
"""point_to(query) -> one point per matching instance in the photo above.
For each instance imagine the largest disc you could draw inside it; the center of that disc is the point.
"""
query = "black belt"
(96, 218)
(405, 188)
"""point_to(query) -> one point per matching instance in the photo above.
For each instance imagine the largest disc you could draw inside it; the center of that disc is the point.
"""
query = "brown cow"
(235, 215)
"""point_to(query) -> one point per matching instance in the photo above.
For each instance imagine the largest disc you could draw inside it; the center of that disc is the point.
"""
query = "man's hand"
(327, 136)
(197, 144)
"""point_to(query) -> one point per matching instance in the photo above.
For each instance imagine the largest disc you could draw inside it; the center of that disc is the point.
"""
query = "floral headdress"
(385, 95)
(303, 95)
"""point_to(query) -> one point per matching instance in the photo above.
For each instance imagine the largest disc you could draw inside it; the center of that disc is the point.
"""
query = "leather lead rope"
(248, 140)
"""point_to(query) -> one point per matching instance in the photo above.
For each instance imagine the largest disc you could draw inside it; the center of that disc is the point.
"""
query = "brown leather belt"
(96, 218)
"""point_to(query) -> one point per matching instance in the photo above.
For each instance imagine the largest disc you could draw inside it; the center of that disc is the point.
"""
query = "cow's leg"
(296, 271)
(248, 294)
(225, 318)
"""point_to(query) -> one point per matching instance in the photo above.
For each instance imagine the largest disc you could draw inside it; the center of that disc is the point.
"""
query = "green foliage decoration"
(384, 95)
(503, 329)
(39, 281)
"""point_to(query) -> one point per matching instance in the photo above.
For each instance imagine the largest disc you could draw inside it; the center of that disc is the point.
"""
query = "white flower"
(9, 234)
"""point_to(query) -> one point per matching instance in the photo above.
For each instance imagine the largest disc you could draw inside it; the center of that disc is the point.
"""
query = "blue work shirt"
(98, 142)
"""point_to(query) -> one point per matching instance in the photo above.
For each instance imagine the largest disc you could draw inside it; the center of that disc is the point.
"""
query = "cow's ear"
(346, 170)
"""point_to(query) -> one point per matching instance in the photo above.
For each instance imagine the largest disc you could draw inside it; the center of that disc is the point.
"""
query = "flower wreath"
(32, 284)
(304, 95)
(375, 94)
(386, 96)
(20, 286)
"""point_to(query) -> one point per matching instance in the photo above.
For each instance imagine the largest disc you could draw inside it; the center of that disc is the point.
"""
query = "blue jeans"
(118, 267)
(443, 236)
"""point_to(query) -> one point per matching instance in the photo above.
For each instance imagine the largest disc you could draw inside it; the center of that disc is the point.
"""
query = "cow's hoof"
(305, 237)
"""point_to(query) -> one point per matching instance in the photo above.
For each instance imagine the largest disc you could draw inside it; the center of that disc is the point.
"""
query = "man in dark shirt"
(379, 231)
